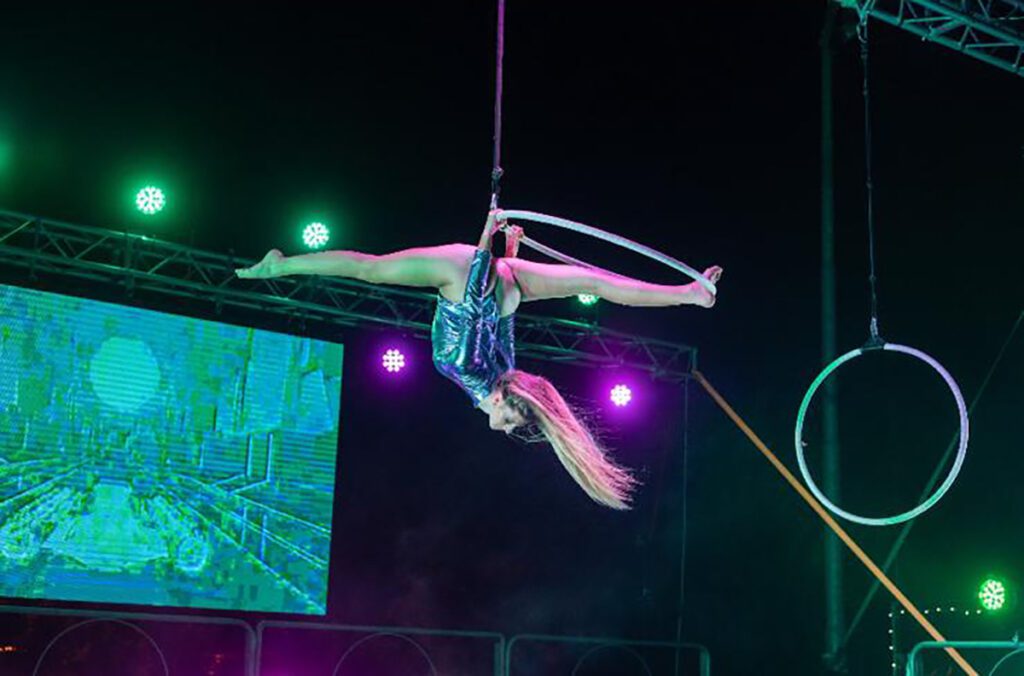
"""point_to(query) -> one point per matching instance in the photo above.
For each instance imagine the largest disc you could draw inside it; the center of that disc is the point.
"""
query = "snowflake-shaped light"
(316, 235)
(992, 595)
(393, 361)
(150, 200)
(621, 395)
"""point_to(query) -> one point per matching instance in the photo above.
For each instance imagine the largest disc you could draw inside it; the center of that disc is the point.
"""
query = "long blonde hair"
(575, 446)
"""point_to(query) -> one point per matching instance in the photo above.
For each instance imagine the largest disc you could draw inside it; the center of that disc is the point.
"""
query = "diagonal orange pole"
(827, 518)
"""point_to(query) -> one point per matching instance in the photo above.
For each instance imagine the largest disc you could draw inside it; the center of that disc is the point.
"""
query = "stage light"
(150, 200)
(316, 235)
(393, 361)
(621, 395)
(587, 298)
(992, 594)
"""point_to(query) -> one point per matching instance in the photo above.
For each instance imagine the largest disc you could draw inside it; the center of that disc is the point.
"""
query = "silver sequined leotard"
(472, 345)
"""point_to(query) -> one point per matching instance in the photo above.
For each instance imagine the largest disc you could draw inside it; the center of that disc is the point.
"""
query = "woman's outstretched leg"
(538, 281)
(438, 266)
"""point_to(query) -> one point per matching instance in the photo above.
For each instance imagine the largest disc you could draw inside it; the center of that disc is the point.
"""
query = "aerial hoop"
(875, 342)
(607, 237)
(953, 472)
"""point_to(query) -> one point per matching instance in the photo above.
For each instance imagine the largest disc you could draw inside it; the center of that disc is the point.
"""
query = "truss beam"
(988, 30)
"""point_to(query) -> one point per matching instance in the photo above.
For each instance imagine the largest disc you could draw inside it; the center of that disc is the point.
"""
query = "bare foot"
(270, 266)
(704, 297)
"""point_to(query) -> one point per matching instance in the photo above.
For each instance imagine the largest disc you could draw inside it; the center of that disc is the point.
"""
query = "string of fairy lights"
(994, 599)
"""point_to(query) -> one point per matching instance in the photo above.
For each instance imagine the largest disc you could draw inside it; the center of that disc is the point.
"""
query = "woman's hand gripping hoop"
(953, 472)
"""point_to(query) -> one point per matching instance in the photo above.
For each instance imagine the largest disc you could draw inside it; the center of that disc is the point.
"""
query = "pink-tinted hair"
(575, 446)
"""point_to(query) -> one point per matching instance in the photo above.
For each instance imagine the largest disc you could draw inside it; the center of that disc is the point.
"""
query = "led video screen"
(156, 459)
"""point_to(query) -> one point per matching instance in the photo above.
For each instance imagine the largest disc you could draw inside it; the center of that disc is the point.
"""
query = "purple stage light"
(393, 361)
(621, 395)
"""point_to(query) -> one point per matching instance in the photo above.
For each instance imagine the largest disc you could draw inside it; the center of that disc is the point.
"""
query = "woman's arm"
(494, 222)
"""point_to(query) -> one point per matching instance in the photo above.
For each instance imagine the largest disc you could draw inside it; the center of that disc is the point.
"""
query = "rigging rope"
(496, 170)
(862, 37)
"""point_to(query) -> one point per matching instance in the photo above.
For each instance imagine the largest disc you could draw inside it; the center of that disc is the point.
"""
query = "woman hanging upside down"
(472, 334)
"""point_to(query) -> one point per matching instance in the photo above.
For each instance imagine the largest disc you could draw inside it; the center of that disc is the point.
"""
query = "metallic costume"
(472, 345)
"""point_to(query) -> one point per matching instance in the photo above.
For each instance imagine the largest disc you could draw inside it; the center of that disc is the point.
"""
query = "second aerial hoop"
(953, 472)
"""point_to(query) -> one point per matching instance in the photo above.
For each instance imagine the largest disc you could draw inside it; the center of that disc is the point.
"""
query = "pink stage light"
(621, 395)
(393, 361)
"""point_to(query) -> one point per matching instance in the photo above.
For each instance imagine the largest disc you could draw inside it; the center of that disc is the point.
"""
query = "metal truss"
(989, 30)
(140, 263)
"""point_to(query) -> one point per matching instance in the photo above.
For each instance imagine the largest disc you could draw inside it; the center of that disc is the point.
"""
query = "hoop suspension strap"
(496, 170)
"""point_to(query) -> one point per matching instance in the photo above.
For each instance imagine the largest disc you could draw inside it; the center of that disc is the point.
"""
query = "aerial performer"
(472, 332)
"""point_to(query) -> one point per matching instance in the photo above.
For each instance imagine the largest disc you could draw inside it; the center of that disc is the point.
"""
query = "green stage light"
(587, 298)
(992, 594)
(150, 200)
(316, 235)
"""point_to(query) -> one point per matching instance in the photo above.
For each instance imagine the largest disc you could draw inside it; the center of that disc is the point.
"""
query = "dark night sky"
(695, 131)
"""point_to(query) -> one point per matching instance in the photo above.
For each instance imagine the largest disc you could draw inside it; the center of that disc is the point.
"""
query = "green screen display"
(155, 459)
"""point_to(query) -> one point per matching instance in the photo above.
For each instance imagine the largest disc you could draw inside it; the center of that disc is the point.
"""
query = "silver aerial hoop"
(953, 472)
(609, 237)
(875, 342)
